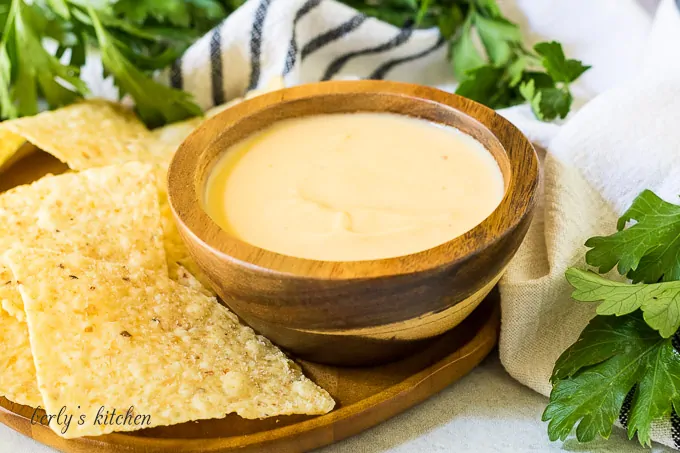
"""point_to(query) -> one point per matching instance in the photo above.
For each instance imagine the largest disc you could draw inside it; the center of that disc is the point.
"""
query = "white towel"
(624, 140)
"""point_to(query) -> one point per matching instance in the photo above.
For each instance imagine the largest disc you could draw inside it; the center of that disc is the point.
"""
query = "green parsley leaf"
(155, 103)
(498, 36)
(449, 20)
(540, 79)
(648, 251)
(658, 391)
(483, 84)
(593, 347)
(206, 14)
(396, 12)
(554, 102)
(199, 14)
(60, 8)
(547, 103)
(613, 356)
(533, 96)
(659, 302)
(558, 66)
(465, 57)
(28, 70)
(489, 7)
(7, 108)
(516, 71)
(174, 12)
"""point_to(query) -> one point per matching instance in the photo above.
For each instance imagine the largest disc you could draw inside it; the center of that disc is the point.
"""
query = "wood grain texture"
(365, 397)
(360, 312)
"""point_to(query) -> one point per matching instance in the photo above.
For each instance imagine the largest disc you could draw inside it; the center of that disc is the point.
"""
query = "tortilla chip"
(9, 147)
(182, 276)
(10, 299)
(88, 134)
(17, 372)
(12, 306)
(117, 337)
(276, 83)
(164, 141)
(108, 213)
(176, 252)
(273, 84)
(222, 107)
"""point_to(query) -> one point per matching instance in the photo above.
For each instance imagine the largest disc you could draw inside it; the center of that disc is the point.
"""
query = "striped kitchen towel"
(304, 41)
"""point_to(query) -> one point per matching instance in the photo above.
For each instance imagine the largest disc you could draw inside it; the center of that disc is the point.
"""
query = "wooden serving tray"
(364, 396)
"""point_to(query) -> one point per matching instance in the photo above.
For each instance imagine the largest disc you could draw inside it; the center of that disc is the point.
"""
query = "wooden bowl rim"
(185, 200)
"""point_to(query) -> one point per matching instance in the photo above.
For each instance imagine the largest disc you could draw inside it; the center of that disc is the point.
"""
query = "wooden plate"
(364, 396)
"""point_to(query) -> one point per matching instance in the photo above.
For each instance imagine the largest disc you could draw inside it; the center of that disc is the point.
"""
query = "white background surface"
(486, 411)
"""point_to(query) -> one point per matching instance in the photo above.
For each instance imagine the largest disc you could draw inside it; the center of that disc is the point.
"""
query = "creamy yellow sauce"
(355, 186)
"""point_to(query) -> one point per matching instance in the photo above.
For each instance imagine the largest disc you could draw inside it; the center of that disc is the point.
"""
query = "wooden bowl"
(360, 312)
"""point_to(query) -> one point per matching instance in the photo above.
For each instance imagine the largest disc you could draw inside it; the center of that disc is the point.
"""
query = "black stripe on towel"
(386, 67)
(216, 66)
(625, 408)
(334, 34)
(337, 65)
(291, 56)
(176, 80)
(675, 420)
(256, 42)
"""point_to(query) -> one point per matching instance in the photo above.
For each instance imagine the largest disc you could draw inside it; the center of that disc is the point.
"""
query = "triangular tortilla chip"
(93, 133)
(108, 213)
(176, 252)
(99, 133)
(10, 299)
(9, 147)
(17, 372)
(109, 336)
(181, 275)
(164, 141)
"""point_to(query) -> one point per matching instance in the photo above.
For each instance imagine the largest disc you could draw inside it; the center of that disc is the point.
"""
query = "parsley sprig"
(629, 347)
(503, 72)
(27, 70)
(135, 38)
(156, 103)
(649, 250)
(511, 74)
(659, 302)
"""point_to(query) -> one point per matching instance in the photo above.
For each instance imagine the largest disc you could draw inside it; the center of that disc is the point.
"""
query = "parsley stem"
(424, 7)
(14, 6)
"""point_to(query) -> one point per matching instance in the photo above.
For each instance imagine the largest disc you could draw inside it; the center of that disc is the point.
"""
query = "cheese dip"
(353, 186)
